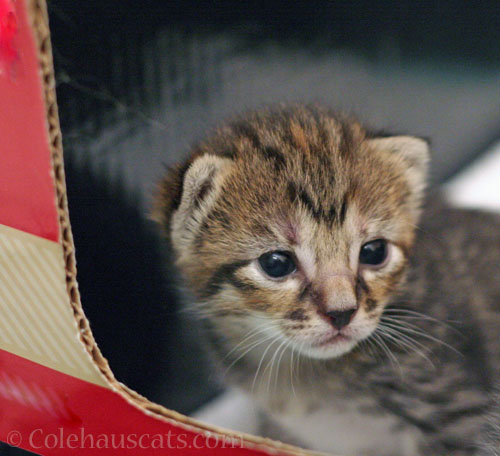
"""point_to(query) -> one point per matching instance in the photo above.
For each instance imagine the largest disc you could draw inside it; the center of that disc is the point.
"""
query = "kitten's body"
(421, 401)
(418, 378)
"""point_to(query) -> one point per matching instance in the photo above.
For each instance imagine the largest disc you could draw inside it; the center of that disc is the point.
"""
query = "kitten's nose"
(340, 318)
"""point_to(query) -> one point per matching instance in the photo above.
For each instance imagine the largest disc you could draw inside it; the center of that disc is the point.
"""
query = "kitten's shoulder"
(439, 215)
(457, 254)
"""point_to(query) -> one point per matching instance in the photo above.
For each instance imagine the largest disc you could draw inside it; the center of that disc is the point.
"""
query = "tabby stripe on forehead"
(225, 274)
(318, 214)
(346, 140)
(269, 152)
(246, 131)
(273, 154)
(332, 213)
(308, 203)
(343, 210)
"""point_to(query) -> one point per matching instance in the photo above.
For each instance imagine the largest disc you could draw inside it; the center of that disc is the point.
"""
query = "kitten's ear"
(412, 152)
(188, 192)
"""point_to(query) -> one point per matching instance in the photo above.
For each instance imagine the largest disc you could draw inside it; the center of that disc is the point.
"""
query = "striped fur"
(418, 358)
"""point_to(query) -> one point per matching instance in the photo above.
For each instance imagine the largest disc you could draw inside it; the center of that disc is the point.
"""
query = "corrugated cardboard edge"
(37, 10)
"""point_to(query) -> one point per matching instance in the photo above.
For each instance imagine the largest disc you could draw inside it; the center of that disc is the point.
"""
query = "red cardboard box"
(58, 394)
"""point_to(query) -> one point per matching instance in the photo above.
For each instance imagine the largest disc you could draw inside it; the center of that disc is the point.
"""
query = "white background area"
(479, 184)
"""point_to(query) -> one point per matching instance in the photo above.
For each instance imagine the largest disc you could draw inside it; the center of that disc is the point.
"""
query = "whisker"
(428, 233)
(300, 358)
(398, 321)
(370, 345)
(276, 339)
(412, 314)
(249, 335)
(291, 369)
(408, 343)
(283, 351)
(420, 333)
(395, 330)
(389, 353)
(249, 348)
(271, 363)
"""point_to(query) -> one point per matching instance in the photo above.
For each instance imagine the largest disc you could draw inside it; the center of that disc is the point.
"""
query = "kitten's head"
(299, 219)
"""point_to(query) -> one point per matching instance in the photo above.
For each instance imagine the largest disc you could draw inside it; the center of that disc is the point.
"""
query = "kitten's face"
(299, 224)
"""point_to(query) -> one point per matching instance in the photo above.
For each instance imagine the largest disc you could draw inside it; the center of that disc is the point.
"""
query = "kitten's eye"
(277, 264)
(373, 253)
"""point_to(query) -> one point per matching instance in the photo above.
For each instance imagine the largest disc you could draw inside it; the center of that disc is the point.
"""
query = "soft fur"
(412, 372)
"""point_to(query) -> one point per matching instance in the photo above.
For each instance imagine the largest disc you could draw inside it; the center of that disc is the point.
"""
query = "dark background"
(139, 82)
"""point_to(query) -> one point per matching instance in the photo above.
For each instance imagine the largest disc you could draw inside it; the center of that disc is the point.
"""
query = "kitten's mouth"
(330, 345)
(332, 340)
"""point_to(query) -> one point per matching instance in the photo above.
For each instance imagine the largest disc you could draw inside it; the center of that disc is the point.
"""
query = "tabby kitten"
(360, 325)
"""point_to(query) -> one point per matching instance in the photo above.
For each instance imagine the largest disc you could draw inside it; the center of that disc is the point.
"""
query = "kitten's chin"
(333, 344)
(333, 347)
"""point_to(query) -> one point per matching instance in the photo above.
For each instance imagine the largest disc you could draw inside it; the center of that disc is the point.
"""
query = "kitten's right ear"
(413, 152)
(188, 191)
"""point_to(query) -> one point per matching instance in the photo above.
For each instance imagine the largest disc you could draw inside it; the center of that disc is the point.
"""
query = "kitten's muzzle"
(336, 299)
(341, 318)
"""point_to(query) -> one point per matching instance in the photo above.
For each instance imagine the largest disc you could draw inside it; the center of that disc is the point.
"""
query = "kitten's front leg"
(270, 428)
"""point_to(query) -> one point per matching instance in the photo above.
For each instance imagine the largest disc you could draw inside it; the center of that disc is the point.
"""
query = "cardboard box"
(58, 394)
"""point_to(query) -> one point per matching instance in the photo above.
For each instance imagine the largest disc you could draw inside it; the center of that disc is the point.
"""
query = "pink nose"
(340, 318)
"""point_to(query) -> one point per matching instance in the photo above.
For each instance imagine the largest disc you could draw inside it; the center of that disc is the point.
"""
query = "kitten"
(359, 324)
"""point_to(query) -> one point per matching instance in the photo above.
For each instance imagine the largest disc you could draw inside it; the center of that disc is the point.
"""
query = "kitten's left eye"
(373, 253)
(277, 264)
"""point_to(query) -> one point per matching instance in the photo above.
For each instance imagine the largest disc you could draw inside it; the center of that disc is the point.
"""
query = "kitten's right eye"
(277, 264)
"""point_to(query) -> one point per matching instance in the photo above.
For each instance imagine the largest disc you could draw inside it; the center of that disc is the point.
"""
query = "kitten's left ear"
(412, 152)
